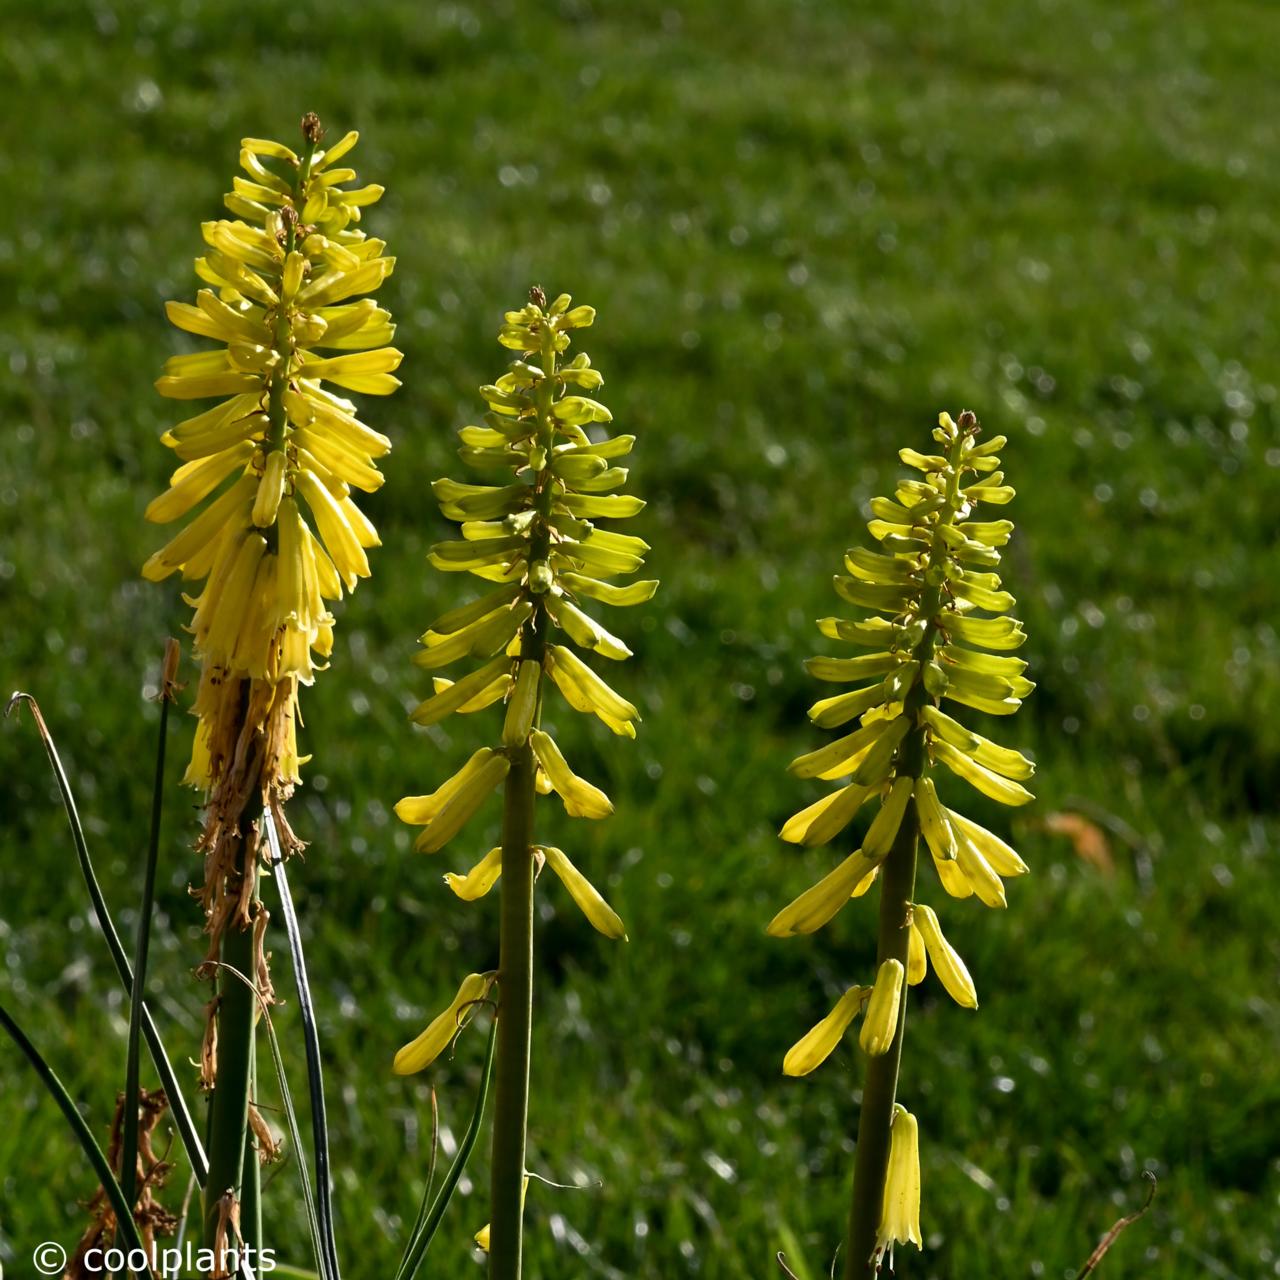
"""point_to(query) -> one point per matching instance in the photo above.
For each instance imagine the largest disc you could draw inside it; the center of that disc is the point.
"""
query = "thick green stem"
(229, 1108)
(515, 1018)
(880, 1088)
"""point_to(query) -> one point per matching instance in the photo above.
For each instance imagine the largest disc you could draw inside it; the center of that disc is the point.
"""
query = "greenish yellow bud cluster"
(939, 632)
(532, 532)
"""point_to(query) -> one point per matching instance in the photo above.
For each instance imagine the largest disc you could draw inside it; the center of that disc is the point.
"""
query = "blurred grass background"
(807, 227)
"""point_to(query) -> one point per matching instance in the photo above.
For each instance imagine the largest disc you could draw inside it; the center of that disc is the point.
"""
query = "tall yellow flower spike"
(932, 582)
(530, 534)
(535, 538)
(282, 452)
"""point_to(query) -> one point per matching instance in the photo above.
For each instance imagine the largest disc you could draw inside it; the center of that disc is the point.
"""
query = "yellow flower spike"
(880, 1024)
(947, 964)
(420, 1053)
(940, 631)
(817, 1044)
(260, 620)
(529, 528)
(900, 1212)
(262, 615)
(604, 919)
(479, 880)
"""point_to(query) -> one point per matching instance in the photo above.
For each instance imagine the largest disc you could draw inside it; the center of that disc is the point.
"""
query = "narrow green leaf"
(120, 1206)
(164, 1068)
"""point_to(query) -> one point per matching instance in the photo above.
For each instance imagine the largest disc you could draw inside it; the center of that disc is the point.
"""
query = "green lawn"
(807, 227)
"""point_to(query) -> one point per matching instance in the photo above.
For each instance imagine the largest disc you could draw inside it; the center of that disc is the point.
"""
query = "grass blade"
(129, 1132)
(164, 1068)
(291, 1118)
(311, 1042)
(120, 1206)
(421, 1240)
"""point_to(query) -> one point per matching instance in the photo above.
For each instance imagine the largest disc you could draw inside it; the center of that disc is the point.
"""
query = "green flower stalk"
(532, 534)
(279, 538)
(931, 584)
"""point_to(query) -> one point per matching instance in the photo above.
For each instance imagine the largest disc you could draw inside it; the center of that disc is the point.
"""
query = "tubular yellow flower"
(917, 957)
(881, 1022)
(900, 1214)
(816, 905)
(817, 1045)
(419, 1054)
(947, 964)
(602, 916)
(880, 835)
(479, 880)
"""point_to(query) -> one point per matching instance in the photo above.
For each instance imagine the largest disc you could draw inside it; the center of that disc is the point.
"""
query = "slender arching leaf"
(120, 1206)
(420, 1241)
(311, 1042)
(164, 1068)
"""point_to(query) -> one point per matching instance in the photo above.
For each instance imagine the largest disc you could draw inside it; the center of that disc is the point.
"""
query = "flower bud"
(880, 1024)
